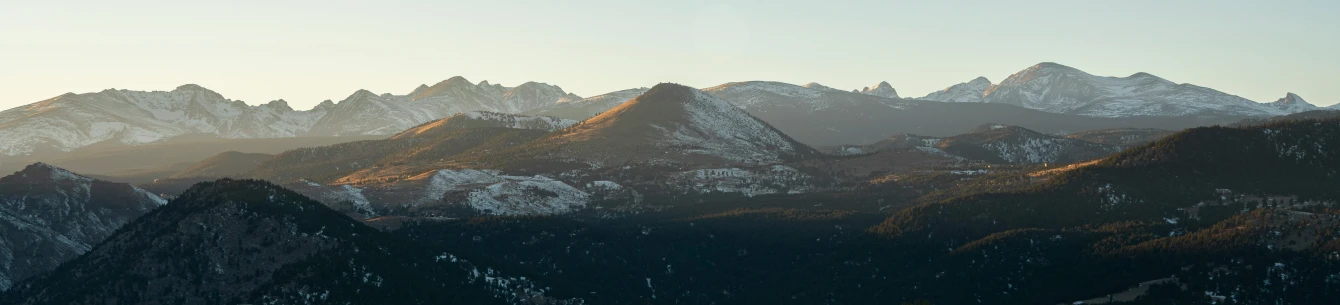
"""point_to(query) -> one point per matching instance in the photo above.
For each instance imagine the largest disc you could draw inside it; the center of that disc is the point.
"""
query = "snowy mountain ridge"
(1057, 88)
(71, 121)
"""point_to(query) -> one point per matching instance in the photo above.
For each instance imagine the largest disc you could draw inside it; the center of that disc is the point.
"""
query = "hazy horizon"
(306, 52)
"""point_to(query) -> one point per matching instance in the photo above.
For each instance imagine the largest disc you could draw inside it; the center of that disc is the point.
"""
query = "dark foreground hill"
(250, 242)
(49, 215)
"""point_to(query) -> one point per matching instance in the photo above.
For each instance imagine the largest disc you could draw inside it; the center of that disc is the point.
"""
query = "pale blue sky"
(308, 51)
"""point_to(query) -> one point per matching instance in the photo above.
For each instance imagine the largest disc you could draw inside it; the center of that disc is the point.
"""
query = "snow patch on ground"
(749, 182)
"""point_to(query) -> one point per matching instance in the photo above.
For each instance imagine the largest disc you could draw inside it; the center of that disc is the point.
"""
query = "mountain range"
(71, 121)
(679, 196)
(1067, 99)
(1057, 88)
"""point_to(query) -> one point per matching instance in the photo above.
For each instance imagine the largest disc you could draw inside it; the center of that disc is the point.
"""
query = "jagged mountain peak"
(1291, 98)
(882, 89)
(1292, 103)
(453, 83)
(279, 104)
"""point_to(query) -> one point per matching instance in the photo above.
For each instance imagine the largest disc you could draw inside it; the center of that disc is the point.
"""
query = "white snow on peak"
(1293, 103)
(777, 88)
(1057, 88)
(883, 89)
(717, 128)
(71, 121)
(817, 86)
(969, 92)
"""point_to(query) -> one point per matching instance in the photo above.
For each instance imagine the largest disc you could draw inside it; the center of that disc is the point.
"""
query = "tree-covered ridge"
(247, 241)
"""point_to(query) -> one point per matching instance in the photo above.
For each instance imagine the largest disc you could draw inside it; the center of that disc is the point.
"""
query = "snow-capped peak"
(672, 123)
(1293, 103)
(883, 89)
(817, 86)
(1057, 88)
(969, 92)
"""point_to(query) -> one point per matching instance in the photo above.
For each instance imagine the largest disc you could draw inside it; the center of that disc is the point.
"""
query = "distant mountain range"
(822, 116)
(1056, 88)
(72, 121)
(1051, 98)
(679, 195)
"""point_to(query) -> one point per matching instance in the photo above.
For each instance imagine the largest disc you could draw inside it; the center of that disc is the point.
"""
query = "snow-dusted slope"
(676, 124)
(581, 109)
(366, 113)
(477, 119)
(994, 143)
(49, 215)
(497, 194)
(818, 86)
(883, 89)
(969, 92)
(1292, 103)
(133, 117)
(758, 95)
(1057, 88)
(71, 121)
(998, 143)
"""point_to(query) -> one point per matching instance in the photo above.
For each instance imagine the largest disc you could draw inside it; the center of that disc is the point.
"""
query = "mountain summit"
(883, 89)
(671, 123)
(1293, 103)
(1062, 89)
